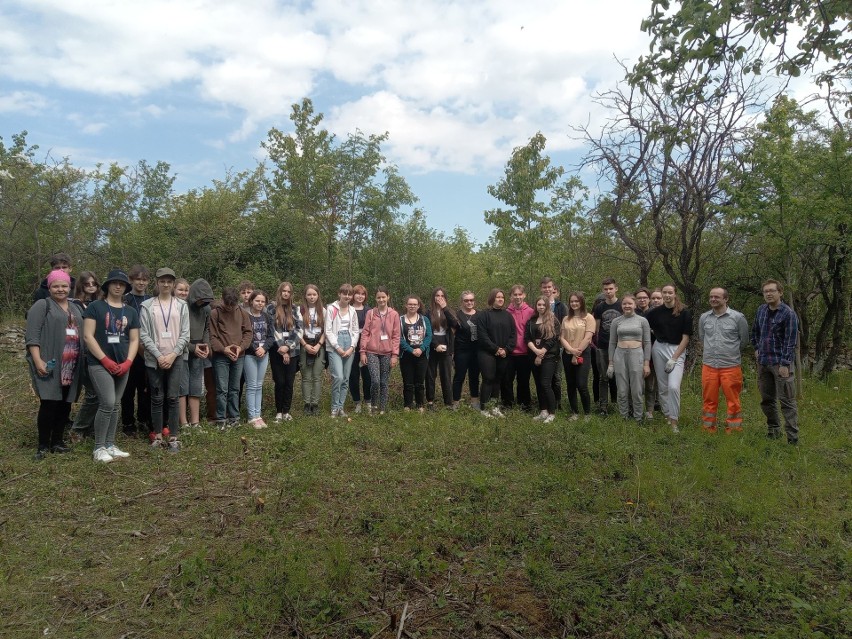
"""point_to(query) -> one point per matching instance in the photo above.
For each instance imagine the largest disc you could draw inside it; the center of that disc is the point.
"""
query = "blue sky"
(198, 83)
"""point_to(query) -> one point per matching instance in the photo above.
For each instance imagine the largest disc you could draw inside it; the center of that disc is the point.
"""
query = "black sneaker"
(41, 453)
(773, 434)
(308, 409)
(60, 448)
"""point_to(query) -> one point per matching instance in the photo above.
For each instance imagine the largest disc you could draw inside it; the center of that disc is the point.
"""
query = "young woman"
(341, 339)
(55, 357)
(230, 336)
(257, 356)
(380, 338)
(444, 324)
(542, 339)
(495, 336)
(313, 348)
(359, 371)
(284, 358)
(137, 384)
(629, 357)
(465, 352)
(181, 291)
(164, 333)
(672, 326)
(86, 290)
(578, 328)
(643, 305)
(414, 342)
(111, 332)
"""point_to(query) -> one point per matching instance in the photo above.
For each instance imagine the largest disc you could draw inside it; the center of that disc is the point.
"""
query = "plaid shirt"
(774, 335)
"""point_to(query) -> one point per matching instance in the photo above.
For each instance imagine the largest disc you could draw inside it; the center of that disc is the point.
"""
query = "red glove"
(110, 365)
(124, 367)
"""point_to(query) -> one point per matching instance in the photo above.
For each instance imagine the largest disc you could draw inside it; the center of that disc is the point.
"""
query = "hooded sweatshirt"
(521, 315)
(229, 326)
(199, 316)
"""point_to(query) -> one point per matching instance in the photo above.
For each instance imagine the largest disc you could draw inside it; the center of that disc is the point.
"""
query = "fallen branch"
(507, 631)
(402, 621)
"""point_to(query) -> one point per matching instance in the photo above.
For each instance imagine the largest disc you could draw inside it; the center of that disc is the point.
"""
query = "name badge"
(71, 332)
(113, 339)
(165, 334)
(383, 337)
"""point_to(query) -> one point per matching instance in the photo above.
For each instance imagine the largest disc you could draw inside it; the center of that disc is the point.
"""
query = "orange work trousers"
(730, 381)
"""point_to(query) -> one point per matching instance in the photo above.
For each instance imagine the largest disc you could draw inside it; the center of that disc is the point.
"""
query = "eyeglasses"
(469, 300)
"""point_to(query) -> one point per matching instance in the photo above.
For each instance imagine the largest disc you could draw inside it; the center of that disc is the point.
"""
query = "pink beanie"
(58, 274)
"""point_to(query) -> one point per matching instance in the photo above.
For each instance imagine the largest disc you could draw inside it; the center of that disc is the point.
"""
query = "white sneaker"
(278, 417)
(575, 417)
(485, 413)
(287, 417)
(114, 451)
(341, 413)
(335, 412)
(101, 455)
(496, 412)
(357, 407)
(649, 415)
(540, 416)
(548, 419)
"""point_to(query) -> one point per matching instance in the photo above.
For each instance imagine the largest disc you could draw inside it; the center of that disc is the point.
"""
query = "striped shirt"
(774, 335)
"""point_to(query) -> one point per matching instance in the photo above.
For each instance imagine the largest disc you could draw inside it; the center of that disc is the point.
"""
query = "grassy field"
(441, 525)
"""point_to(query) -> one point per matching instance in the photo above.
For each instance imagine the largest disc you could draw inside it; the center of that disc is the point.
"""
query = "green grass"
(477, 528)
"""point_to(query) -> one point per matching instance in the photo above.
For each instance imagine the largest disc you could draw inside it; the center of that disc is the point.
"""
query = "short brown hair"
(776, 282)
(493, 295)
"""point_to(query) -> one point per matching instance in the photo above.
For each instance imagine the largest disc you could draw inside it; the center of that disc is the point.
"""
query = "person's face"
(771, 294)
(468, 302)
(311, 296)
(499, 300)
(381, 299)
(609, 291)
(518, 297)
(245, 294)
(258, 303)
(412, 306)
(359, 298)
(91, 287)
(574, 302)
(440, 296)
(116, 289)
(140, 284)
(286, 294)
(165, 285)
(59, 290)
(668, 295)
(642, 301)
(64, 266)
(344, 297)
(656, 299)
(182, 291)
(717, 299)
(547, 290)
(628, 305)
(541, 307)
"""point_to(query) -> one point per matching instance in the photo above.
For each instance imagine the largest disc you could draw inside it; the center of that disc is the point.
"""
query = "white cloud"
(22, 101)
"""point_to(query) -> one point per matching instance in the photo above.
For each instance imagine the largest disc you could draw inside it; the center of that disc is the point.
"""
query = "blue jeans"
(255, 371)
(228, 375)
(341, 368)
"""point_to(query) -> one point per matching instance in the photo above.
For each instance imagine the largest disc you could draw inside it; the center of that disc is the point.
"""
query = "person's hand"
(260, 351)
(394, 360)
(363, 359)
(202, 351)
(783, 372)
(670, 365)
(40, 366)
(124, 367)
(610, 371)
(538, 360)
(646, 369)
(417, 352)
(110, 365)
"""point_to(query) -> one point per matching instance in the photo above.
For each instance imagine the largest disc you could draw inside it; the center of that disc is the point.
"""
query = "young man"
(137, 380)
(245, 289)
(604, 313)
(519, 364)
(164, 331)
(61, 261)
(548, 289)
(774, 337)
(723, 332)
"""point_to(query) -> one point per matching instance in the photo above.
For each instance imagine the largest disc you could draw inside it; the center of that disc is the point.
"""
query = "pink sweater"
(374, 328)
(520, 316)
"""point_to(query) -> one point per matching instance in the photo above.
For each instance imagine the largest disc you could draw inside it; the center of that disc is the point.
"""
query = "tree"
(662, 161)
(788, 36)
(533, 235)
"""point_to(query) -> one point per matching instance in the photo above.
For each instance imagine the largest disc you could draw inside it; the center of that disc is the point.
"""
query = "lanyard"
(166, 319)
(382, 319)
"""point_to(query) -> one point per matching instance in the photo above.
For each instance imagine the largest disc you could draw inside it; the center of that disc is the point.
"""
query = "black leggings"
(467, 363)
(413, 371)
(52, 416)
(440, 366)
(364, 373)
(493, 371)
(577, 377)
(543, 376)
(283, 378)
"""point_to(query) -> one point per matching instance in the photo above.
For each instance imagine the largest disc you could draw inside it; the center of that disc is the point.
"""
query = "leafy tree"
(533, 234)
(788, 36)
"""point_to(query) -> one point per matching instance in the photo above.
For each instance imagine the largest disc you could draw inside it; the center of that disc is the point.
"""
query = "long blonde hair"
(548, 319)
(284, 310)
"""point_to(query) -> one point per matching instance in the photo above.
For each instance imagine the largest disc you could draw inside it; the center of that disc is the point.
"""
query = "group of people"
(160, 354)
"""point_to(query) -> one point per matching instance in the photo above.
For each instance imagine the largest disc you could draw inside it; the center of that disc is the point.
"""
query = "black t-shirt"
(604, 314)
(466, 332)
(112, 329)
(668, 328)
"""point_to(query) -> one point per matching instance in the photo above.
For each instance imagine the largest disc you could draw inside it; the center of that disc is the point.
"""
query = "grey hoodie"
(199, 316)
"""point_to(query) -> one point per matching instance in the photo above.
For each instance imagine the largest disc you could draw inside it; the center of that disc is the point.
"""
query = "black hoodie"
(199, 328)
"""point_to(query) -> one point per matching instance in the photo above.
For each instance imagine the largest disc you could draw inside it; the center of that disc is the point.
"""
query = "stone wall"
(12, 340)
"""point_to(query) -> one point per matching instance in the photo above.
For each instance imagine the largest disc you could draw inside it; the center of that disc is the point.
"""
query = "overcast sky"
(198, 83)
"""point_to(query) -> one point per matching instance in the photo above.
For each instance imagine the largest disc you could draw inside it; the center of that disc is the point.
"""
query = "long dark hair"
(80, 287)
(436, 315)
(284, 310)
